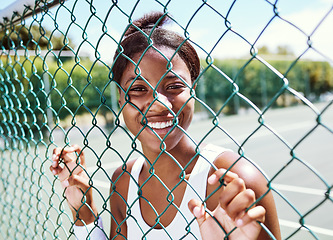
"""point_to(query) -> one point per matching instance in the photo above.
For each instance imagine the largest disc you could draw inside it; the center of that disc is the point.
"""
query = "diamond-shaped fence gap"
(108, 161)
(84, 11)
(118, 139)
(293, 123)
(107, 114)
(311, 80)
(292, 176)
(277, 33)
(172, 7)
(92, 139)
(262, 92)
(307, 210)
(214, 132)
(64, 19)
(326, 112)
(301, 20)
(106, 46)
(218, 93)
(60, 215)
(317, 40)
(319, 135)
(196, 29)
(56, 91)
(323, 207)
(89, 26)
(70, 99)
(93, 27)
(291, 219)
(263, 156)
(114, 14)
(241, 18)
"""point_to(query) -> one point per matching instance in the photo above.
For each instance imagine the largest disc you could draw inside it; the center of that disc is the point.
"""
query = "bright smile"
(160, 125)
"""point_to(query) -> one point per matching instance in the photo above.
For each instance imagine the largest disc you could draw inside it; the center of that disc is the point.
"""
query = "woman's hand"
(230, 212)
(69, 165)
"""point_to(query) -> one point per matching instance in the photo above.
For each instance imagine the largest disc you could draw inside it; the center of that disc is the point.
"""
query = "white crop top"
(183, 226)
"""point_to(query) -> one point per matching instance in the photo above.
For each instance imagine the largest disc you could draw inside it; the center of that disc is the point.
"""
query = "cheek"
(136, 103)
(183, 102)
(187, 110)
(132, 118)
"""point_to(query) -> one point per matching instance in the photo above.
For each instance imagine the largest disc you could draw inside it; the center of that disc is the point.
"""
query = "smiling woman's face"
(158, 98)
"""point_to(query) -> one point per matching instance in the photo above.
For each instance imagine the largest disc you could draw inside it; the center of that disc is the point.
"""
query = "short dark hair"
(147, 31)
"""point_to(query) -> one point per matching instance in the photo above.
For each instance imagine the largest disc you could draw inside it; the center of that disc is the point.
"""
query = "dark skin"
(244, 183)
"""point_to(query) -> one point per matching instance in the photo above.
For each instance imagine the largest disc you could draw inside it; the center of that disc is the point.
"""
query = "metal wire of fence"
(57, 89)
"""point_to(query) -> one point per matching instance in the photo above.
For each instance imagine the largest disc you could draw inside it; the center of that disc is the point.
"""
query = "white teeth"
(160, 125)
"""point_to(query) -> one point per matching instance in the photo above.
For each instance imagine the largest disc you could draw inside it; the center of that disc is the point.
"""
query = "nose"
(160, 103)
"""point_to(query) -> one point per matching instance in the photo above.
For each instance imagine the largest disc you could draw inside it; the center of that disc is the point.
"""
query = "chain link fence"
(265, 91)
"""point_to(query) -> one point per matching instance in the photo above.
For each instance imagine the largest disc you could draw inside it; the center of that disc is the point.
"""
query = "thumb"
(198, 210)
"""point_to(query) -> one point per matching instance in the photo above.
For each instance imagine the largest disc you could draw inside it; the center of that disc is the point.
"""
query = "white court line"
(259, 134)
(315, 229)
(296, 189)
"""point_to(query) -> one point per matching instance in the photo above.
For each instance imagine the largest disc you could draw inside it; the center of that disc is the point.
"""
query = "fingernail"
(197, 212)
(212, 179)
(239, 223)
(54, 172)
(65, 183)
(54, 163)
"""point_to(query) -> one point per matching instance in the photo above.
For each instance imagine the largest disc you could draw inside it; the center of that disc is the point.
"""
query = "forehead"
(155, 61)
(162, 55)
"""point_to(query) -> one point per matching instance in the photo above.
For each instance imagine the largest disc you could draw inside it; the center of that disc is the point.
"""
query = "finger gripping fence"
(264, 90)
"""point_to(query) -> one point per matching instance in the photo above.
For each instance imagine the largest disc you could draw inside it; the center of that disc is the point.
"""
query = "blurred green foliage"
(261, 85)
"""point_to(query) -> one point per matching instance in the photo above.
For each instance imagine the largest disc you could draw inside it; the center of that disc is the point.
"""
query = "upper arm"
(254, 179)
(118, 198)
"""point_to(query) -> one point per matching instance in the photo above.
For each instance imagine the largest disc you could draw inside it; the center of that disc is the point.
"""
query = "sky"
(297, 20)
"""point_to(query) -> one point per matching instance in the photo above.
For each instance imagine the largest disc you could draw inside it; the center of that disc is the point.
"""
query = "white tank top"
(184, 225)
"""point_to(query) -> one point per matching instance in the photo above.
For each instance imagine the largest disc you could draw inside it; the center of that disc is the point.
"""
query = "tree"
(30, 37)
(284, 50)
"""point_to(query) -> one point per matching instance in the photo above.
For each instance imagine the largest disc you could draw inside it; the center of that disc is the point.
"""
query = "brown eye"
(175, 86)
(138, 89)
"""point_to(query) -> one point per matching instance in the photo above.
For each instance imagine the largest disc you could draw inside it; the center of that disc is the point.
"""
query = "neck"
(172, 161)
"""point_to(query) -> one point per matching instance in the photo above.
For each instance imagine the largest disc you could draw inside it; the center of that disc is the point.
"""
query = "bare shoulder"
(118, 197)
(252, 175)
(119, 188)
(120, 179)
(254, 179)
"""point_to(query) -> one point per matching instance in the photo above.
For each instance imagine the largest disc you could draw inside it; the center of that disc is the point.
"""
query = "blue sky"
(248, 19)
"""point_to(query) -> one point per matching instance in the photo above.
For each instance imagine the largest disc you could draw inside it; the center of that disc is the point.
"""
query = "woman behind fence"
(158, 195)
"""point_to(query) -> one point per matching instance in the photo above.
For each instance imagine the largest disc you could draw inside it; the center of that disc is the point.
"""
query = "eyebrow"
(179, 76)
(136, 78)
(168, 76)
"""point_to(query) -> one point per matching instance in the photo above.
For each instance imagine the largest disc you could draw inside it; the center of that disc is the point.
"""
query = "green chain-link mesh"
(57, 89)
